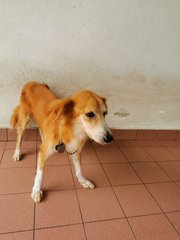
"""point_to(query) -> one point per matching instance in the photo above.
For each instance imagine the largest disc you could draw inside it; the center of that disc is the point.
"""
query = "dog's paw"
(87, 184)
(17, 156)
(37, 196)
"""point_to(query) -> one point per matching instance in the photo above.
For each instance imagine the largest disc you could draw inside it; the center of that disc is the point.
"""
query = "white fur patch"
(98, 132)
(36, 191)
(82, 180)
(17, 154)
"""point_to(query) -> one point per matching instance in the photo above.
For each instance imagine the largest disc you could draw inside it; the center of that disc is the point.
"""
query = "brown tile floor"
(137, 195)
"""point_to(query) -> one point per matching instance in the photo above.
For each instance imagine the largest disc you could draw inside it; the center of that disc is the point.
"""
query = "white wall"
(126, 50)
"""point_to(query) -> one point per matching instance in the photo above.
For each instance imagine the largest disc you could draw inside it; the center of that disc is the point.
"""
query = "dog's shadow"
(45, 195)
(27, 153)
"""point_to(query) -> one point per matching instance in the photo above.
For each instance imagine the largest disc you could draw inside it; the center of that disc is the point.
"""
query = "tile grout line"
(164, 160)
(6, 134)
(158, 163)
(34, 226)
(174, 181)
(3, 153)
(18, 231)
(154, 198)
(78, 200)
(116, 196)
(88, 222)
(172, 153)
(79, 188)
(164, 213)
(136, 134)
(176, 137)
(172, 223)
(41, 228)
(177, 184)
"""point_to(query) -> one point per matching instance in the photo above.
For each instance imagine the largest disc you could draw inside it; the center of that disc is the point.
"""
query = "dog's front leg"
(37, 193)
(77, 165)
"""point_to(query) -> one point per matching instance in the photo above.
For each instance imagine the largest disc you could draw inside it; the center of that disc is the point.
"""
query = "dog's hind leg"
(41, 135)
(77, 165)
(19, 121)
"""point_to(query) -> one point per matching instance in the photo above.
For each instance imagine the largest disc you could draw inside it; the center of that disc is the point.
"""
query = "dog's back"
(34, 100)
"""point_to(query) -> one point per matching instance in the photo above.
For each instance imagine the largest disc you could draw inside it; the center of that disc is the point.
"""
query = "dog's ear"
(61, 109)
(104, 100)
(68, 109)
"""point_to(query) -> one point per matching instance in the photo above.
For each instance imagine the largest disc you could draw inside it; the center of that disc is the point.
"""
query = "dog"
(64, 125)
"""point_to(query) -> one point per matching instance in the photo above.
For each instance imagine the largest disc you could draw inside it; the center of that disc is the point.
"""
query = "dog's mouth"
(108, 138)
(103, 140)
(100, 133)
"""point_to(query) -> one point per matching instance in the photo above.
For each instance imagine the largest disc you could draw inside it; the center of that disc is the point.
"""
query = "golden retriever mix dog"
(64, 124)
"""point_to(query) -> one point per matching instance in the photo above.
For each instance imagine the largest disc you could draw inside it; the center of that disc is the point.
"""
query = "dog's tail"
(19, 117)
(15, 117)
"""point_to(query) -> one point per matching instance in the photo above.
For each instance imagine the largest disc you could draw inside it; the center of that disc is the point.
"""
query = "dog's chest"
(78, 140)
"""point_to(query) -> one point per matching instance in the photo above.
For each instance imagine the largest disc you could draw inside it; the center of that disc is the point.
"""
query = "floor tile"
(110, 155)
(109, 230)
(11, 134)
(3, 134)
(127, 143)
(88, 156)
(125, 134)
(172, 169)
(159, 154)
(169, 143)
(28, 159)
(1, 154)
(99, 204)
(57, 178)
(178, 135)
(175, 151)
(30, 134)
(167, 195)
(97, 145)
(167, 134)
(2, 145)
(120, 174)
(60, 213)
(94, 173)
(17, 213)
(59, 207)
(136, 154)
(178, 184)
(89, 144)
(25, 144)
(57, 159)
(16, 180)
(175, 220)
(27, 235)
(74, 232)
(148, 143)
(146, 134)
(150, 172)
(154, 227)
(136, 200)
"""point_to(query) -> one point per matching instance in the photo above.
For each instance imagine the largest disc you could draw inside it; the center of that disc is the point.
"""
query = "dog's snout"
(108, 138)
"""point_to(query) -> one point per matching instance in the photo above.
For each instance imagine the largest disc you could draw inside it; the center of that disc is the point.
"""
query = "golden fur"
(63, 120)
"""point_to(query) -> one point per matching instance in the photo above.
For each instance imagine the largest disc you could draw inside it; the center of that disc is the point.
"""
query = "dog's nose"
(108, 138)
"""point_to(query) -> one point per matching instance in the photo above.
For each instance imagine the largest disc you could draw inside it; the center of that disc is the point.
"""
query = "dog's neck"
(78, 139)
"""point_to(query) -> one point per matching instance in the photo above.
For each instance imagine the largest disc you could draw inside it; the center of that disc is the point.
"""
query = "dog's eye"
(104, 113)
(90, 115)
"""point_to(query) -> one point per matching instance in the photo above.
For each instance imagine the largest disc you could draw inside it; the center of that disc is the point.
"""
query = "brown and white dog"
(64, 124)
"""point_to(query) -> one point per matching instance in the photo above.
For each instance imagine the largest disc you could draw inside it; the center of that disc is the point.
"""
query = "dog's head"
(91, 110)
